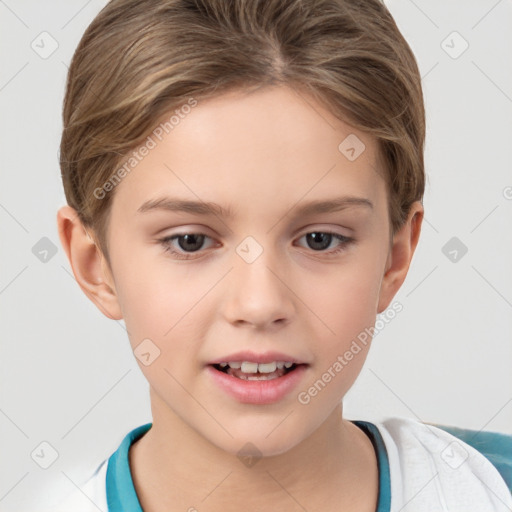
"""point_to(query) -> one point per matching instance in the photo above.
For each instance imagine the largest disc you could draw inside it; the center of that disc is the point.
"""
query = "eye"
(320, 240)
(188, 242)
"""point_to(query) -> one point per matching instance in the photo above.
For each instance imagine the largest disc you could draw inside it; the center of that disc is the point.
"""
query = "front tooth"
(248, 367)
(267, 367)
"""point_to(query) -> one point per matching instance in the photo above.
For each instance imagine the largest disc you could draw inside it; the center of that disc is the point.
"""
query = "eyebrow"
(211, 208)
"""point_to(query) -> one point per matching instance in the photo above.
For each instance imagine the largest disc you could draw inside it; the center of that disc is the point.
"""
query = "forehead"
(253, 151)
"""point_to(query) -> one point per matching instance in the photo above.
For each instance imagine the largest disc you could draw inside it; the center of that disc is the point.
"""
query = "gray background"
(68, 376)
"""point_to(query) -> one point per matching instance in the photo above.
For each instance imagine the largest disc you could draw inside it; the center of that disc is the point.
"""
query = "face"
(264, 271)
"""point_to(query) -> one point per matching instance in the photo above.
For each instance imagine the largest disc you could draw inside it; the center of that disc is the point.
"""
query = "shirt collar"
(121, 495)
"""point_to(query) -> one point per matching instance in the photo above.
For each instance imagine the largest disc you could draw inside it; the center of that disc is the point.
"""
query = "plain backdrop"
(68, 376)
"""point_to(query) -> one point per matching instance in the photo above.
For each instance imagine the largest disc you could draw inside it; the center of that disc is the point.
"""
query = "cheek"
(163, 330)
(343, 339)
(165, 307)
(345, 300)
(151, 303)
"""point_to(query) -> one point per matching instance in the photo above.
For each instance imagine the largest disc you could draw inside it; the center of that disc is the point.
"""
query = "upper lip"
(253, 357)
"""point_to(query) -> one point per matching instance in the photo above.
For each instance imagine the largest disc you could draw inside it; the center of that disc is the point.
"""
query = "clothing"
(422, 468)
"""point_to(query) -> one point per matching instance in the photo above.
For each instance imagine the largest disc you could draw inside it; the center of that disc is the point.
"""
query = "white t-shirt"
(422, 468)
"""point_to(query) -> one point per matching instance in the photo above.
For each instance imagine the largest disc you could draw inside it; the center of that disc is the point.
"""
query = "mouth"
(257, 383)
(253, 371)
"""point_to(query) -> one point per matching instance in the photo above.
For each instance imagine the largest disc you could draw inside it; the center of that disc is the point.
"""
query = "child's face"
(263, 157)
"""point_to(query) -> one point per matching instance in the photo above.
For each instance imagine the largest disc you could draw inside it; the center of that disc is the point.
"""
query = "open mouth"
(244, 375)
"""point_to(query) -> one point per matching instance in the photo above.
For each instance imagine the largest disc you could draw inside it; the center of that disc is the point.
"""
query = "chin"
(255, 441)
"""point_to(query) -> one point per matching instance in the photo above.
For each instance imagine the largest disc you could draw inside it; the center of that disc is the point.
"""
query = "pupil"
(324, 239)
(195, 246)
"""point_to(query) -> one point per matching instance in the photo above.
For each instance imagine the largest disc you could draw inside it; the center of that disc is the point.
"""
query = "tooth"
(260, 377)
(267, 367)
(251, 367)
(265, 376)
(248, 367)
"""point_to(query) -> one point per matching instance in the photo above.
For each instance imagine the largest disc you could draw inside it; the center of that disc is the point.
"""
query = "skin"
(261, 154)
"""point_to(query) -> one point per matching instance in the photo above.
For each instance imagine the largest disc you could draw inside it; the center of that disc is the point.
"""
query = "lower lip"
(258, 391)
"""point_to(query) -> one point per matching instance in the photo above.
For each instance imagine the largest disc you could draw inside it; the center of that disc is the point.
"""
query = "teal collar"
(121, 495)
(384, 501)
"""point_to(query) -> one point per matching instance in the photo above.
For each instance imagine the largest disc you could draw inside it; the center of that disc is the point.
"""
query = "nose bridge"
(257, 293)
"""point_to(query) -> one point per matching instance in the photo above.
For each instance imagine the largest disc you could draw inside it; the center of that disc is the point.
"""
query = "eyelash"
(345, 242)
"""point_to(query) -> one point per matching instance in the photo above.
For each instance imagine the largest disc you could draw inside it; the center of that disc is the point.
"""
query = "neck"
(175, 468)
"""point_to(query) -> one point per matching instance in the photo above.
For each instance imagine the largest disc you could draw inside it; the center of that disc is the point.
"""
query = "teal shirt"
(121, 495)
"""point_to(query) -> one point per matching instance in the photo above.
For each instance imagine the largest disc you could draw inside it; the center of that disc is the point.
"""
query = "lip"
(253, 357)
(258, 392)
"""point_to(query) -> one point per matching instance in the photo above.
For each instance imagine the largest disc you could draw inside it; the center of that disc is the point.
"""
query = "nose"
(258, 293)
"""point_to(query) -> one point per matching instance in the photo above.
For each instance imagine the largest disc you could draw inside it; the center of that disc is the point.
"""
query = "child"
(283, 141)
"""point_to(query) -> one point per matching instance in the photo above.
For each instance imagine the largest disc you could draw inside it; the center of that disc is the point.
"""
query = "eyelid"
(324, 228)
(311, 228)
(175, 236)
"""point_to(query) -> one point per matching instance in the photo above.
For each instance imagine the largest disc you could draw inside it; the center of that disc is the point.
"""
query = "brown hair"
(140, 59)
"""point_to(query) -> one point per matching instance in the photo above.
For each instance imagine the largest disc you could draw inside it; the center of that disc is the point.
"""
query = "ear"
(88, 263)
(400, 256)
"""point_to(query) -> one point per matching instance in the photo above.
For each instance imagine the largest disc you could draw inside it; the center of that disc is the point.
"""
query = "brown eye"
(188, 244)
(192, 242)
(318, 241)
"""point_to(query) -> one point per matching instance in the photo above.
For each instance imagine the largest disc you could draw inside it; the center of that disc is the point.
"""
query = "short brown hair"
(140, 59)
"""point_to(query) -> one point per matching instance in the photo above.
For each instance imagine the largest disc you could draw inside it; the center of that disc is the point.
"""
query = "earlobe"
(400, 256)
(87, 263)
